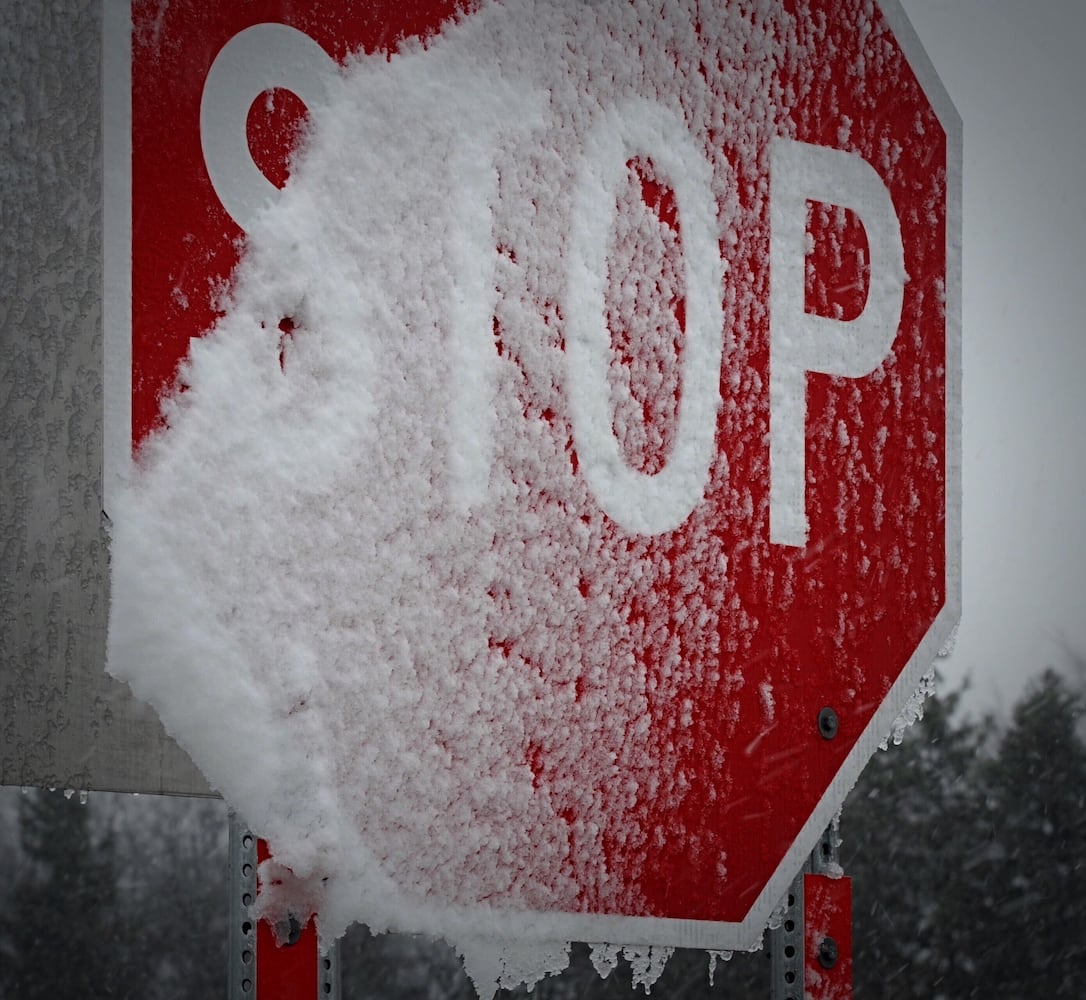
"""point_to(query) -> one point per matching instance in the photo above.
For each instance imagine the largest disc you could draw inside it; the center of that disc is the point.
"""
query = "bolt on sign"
(546, 431)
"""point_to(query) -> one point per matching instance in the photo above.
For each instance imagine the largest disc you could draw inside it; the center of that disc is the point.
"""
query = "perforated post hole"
(242, 943)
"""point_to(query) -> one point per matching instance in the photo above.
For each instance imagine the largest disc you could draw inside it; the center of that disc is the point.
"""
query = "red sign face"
(768, 474)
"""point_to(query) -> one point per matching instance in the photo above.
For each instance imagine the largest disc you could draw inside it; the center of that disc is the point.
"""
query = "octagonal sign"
(570, 473)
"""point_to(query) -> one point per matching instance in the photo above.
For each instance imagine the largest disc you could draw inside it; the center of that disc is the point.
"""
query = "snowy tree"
(61, 928)
(1032, 905)
(910, 833)
(393, 966)
(967, 846)
(124, 896)
(172, 878)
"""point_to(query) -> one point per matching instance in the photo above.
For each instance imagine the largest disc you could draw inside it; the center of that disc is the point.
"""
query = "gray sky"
(1015, 72)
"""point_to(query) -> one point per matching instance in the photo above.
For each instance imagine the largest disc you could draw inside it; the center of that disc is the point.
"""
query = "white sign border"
(116, 247)
(592, 928)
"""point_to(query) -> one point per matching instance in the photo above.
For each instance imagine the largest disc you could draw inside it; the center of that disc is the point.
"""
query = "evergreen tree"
(907, 841)
(1030, 914)
(61, 926)
(173, 883)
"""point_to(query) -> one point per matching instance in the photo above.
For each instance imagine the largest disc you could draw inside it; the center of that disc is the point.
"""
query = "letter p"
(800, 342)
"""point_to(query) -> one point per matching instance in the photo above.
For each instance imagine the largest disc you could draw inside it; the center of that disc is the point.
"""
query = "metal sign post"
(262, 968)
(811, 949)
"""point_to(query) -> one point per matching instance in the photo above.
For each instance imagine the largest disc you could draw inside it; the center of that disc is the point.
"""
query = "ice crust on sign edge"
(297, 586)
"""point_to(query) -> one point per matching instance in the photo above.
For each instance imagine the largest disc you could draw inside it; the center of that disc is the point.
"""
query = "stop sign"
(708, 348)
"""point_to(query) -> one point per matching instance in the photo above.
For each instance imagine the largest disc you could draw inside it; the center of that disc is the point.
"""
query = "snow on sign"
(546, 481)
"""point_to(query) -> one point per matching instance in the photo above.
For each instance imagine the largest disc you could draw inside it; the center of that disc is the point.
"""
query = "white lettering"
(641, 503)
(802, 343)
(259, 58)
(471, 427)
(267, 56)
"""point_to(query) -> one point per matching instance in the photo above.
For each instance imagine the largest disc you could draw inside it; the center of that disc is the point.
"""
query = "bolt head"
(827, 953)
(288, 931)
(827, 723)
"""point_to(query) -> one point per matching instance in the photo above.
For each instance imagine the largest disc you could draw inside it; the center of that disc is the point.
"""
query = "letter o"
(639, 502)
(259, 58)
